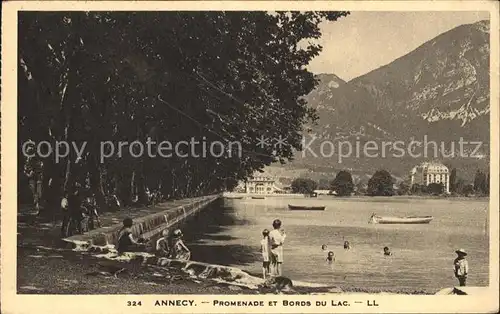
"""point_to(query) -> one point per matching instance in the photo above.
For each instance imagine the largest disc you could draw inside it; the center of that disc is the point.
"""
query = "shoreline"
(44, 268)
(228, 195)
(72, 276)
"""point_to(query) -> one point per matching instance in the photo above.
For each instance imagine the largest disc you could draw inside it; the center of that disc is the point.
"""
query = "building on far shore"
(431, 172)
(323, 192)
(261, 185)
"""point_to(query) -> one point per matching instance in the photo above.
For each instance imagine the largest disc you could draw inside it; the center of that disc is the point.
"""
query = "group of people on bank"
(79, 211)
(170, 245)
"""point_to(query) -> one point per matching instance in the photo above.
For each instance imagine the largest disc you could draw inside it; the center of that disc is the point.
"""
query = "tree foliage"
(453, 180)
(481, 183)
(403, 188)
(380, 184)
(126, 76)
(419, 189)
(467, 190)
(342, 184)
(435, 188)
(304, 186)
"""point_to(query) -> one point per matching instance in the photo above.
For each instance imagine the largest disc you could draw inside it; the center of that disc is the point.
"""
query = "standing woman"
(65, 214)
(75, 211)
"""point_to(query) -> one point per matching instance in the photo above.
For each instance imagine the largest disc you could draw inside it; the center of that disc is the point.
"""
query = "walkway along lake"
(422, 254)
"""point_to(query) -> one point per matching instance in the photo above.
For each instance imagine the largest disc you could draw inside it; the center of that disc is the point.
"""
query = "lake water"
(422, 254)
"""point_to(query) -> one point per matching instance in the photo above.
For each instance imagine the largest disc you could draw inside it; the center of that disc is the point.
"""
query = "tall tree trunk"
(141, 185)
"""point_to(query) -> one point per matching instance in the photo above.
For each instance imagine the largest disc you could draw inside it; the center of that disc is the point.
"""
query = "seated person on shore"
(347, 245)
(162, 245)
(178, 250)
(330, 258)
(126, 241)
(387, 252)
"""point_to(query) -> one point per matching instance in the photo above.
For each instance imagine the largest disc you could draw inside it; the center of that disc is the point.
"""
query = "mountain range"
(439, 91)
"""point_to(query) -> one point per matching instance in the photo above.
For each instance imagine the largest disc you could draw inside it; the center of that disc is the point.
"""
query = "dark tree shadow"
(209, 223)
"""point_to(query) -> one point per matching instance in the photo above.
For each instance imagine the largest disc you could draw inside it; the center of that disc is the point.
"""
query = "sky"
(364, 41)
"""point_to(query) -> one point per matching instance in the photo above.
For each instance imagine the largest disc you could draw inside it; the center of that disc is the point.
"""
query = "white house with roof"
(431, 172)
(259, 184)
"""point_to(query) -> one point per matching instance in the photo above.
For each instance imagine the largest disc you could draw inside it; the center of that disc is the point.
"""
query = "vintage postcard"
(250, 157)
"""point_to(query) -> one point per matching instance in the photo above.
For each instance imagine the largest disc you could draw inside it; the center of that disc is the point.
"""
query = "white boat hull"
(401, 220)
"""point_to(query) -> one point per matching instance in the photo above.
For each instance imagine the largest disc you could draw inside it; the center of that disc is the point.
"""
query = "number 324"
(134, 303)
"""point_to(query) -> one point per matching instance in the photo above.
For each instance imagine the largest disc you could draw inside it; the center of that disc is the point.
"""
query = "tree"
(435, 189)
(403, 188)
(342, 185)
(303, 186)
(453, 180)
(468, 190)
(487, 184)
(380, 184)
(361, 188)
(418, 189)
(323, 184)
(460, 185)
(110, 76)
(480, 184)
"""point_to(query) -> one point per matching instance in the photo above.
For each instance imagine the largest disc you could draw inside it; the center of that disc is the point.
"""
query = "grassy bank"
(42, 271)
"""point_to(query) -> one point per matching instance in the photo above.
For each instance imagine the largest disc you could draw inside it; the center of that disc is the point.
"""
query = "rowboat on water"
(234, 197)
(375, 219)
(293, 207)
(258, 197)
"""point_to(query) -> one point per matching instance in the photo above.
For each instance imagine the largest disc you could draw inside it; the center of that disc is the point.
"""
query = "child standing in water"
(264, 248)
(330, 258)
(461, 267)
(387, 252)
(347, 245)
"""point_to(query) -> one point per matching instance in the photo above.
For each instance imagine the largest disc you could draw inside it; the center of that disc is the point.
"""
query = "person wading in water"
(276, 239)
(461, 267)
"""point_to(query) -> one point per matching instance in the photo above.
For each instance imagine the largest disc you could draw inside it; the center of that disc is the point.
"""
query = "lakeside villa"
(431, 172)
(262, 185)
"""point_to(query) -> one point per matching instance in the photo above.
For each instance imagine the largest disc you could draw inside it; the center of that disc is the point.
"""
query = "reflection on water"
(422, 258)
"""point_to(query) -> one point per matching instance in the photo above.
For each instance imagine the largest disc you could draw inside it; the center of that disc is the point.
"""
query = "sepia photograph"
(263, 153)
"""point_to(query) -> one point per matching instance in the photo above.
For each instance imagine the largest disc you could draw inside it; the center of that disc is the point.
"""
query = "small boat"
(234, 197)
(375, 219)
(293, 207)
(258, 197)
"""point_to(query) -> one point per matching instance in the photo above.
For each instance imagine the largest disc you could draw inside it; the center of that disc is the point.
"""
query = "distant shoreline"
(361, 197)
